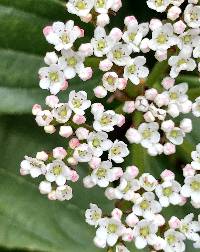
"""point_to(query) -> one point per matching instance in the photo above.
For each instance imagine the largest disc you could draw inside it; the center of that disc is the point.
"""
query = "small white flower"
(112, 82)
(120, 54)
(168, 193)
(51, 78)
(104, 174)
(62, 112)
(176, 136)
(105, 120)
(63, 192)
(158, 5)
(192, 15)
(144, 233)
(196, 107)
(190, 228)
(102, 6)
(99, 142)
(44, 118)
(147, 206)
(118, 151)
(108, 232)
(61, 35)
(57, 171)
(148, 182)
(83, 153)
(32, 166)
(189, 39)
(80, 8)
(174, 241)
(196, 158)
(149, 134)
(78, 102)
(191, 188)
(135, 70)
(141, 104)
(93, 215)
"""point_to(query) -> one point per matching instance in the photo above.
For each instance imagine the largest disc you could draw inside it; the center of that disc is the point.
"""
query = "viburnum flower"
(118, 151)
(32, 166)
(63, 192)
(158, 5)
(83, 153)
(135, 70)
(80, 7)
(196, 158)
(78, 102)
(111, 82)
(44, 118)
(148, 182)
(192, 15)
(175, 136)
(190, 228)
(93, 215)
(174, 241)
(62, 112)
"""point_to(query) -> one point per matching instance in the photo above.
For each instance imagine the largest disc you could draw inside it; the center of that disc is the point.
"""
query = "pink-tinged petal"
(47, 30)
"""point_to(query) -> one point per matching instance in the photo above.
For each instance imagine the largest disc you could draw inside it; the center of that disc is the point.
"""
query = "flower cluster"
(148, 114)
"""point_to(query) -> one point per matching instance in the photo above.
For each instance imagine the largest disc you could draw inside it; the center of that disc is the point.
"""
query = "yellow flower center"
(81, 5)
(57, 170)
(171, 239)
(195, 185)
(101, 173)
(146, 134)
(53, 76)
(132, 69)
(167, 191)
(132, 36)
(112, 228)
(101, 45)
(144, 231)
(173, 96)
(162, 39)
(100, 3)
(72, 61)
(64, 38)
(144, 204)
(117, 54)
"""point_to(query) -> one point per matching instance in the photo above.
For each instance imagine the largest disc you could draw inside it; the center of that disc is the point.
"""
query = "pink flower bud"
(129, 107)
(151, 94)
(52, 195)
(80, 32)
(97, 107)
(45, 187)
(105, 65)
(174, 222)
(74, 176)
(79, 119)
(133, 171)
(183, 201)
(168, 82)
(52, 101)
(73, 143)
(86, 73)
(103, 20)
(169, 149)
(50, 129)
(129, 19)
(186, 125)
(188, 171)
(161, 55)
(51, 58)
(116, 5)
(167, 175)
(47, 30)
(144, 45)
(132, 220)
(133, 136)
(149, 117)
(82, 133)
(127, 234)
(64, 86)
(173, 110)
(116, 34)
(72, 161)
(122, 83)
(120, 120)
(179, 27)
(100, 92)
(117, 173)
(155, 24)
(161, 100)
(173, 13)
(36, 108)
(110, 193)
(116, 213)
(42, 155)
(167, 126)
(88, 182)
(86, 49)
(66, 131)
(94, 162)
(87, 18)
(159, 220)
(59, 153)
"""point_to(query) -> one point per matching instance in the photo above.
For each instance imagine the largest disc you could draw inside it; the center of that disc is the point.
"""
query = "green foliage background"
(28, 221)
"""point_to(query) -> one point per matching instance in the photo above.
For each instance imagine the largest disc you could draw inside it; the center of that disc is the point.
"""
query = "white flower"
(62, 36)
(32, 166)
(181, 62)
(108, 232)
(78, 102)
(134, 34)
(62, 112)
(71, 63)
(135, 70)
(52, 78)
(63, 192)
(196, 107)
(141, 104)
(83, 153)
(192, 15)
(168, 193)
(120, 54)
(175, 136)
(189, 39)
(102, 6)
(191, 188)
(158, 5)
(118, 151)
(99, 142)
(196, 158)
(57, 171)
(174, 241)
(105, 120)
(148, 182)
(163, 38)
(149, 134)
(44, 118)
(93, 215)
(147, 206)
(190, 228)
(145, 233)
(80, 8)
(101, 42)
(112, 82)
(104, 174)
